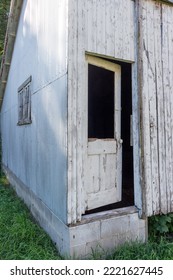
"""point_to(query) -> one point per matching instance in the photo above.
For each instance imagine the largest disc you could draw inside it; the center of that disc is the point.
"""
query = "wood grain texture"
(93, 26)
(103, 181)
(156, 43)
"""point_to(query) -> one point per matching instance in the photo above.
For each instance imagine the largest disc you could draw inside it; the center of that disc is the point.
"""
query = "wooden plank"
(81, 111)
(163, 112)
(136, 74)
(109, 213)
(145, 122)
(117, 132)
(90, 34)
(132, 31)
(167, 112)
(100, 26)
(107, 171)
(72, 118)
(102, 63)
(118, 29)
(170, 50)
(170, 59)
(93, 174)
(127, 40)
(106, 33)
(152, 108)
(117, 104)
(160, 102)
(110, 23)
(102, 146)
(170, 75)
(95, 200)
(93, 11)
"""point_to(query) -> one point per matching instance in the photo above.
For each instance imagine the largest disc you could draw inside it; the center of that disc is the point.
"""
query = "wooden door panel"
(102, 180)
(93, 174)
(104, 156)
(102, 146)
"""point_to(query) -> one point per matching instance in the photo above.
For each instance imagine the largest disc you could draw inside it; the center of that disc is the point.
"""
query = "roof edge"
(166, 1)
(12, 25)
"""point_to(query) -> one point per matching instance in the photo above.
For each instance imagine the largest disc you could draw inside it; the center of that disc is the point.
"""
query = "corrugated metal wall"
(37, 153)
(156, 82)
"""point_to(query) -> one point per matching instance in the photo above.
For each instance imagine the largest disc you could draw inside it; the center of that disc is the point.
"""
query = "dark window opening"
(127, 152)
(100, 102)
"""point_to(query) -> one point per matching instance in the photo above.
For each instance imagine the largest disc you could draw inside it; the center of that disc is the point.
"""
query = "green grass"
(155, 249)
(21, 237)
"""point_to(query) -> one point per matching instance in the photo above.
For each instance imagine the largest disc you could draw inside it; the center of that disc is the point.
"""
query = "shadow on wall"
(38, 154)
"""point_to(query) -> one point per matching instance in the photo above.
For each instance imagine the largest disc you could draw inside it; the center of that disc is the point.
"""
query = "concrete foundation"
(103, 230)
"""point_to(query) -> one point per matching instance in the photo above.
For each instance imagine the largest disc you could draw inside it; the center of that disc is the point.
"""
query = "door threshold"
(108, 214)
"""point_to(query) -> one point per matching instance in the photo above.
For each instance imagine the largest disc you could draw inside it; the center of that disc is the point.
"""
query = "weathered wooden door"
(104, 150)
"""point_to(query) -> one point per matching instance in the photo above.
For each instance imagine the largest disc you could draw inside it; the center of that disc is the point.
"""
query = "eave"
(14, 15)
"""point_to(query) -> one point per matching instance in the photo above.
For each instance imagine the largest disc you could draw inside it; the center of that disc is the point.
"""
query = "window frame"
(24, 102)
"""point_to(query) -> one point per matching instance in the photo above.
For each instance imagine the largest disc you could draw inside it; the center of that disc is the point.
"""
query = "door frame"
(77, 136)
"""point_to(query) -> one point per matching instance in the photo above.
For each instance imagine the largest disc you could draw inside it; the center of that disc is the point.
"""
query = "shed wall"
(156, 81)
(103, 28)
(37, 153)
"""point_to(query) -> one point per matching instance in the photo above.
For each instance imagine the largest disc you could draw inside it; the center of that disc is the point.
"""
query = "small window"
(24, 102)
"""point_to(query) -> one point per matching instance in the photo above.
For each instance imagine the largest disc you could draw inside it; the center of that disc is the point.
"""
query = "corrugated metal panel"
(37, 153)
(156, 61)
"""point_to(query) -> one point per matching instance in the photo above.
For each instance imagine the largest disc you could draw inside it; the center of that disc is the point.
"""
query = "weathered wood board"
(156, 80)
(103, 28)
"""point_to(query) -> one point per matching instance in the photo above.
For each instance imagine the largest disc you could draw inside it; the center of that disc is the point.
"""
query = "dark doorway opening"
(100, 103)
(126, 113)
(126, 133)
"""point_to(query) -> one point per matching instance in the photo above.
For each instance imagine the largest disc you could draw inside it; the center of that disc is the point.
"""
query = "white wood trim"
(81, 112)
(166, 109)
(117, 132)
(136, 119)
(72, 110)
(103, 63)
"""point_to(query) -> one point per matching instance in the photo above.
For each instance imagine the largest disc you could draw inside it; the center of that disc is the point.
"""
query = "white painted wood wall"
(156, 89)
(101, 27)
(110, 28)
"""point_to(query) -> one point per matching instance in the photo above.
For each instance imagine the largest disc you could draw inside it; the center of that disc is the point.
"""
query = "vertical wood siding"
(109, 27)
(102, 27)
(156, 79)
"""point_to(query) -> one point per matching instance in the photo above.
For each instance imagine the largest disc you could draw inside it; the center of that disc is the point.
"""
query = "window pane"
(24, 102)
